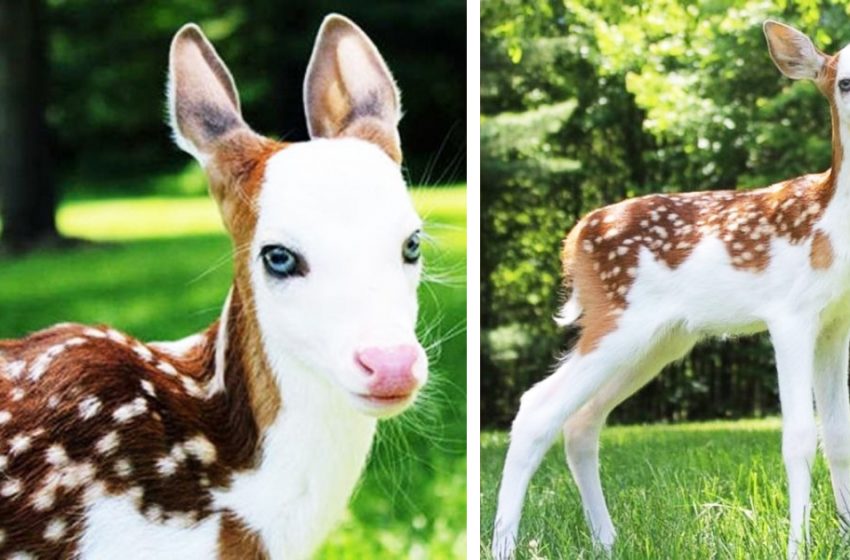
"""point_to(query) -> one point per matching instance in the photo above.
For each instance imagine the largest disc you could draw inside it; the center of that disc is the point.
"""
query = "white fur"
(349, 221)
(806, 311)
(114, 528)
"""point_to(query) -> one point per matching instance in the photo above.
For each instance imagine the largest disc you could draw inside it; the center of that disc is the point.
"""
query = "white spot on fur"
(56, 455)
(10, 488)
(94, 333)
(5, 416)
(116, 336)
(123, 468)
(166, 466)
(192, 387)
(143, 352)
(127, 412)
(41, 363)
(76, 475)
(166, 368)
(201, 449)
(55, 530)
(16, 368)
(148, 388)
(108, 443)
(17, 394)
(89, 406)
(19, 444)
(3, 462)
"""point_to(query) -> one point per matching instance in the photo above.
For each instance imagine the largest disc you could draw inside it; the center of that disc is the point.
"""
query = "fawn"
(245, 440)
(648, 277)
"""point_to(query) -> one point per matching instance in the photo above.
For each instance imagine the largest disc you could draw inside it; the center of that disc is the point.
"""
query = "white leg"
(794, 344)
(543, 410)
(581, 442)
(833, 403)
(581, 434)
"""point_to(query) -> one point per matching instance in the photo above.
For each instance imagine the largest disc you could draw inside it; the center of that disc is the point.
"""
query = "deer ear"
(349, 91)
(793, 52)
(203, 103)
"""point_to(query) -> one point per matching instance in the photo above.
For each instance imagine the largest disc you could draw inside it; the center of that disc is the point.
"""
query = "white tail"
(651, 276)
(246, 440)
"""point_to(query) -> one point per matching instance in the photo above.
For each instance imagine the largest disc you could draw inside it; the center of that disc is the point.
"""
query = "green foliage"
(588, 102)
(412, 502)
(709, 490)
(108, 62)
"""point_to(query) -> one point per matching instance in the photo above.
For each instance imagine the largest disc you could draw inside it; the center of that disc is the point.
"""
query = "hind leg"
(543, 410)
(581, 434)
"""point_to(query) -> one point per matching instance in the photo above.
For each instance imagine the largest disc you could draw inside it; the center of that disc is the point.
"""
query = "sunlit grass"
(700, 490)
(161, 269)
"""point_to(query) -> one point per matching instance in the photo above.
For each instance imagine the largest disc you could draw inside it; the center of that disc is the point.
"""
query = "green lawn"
(687, 491)
(161, 270)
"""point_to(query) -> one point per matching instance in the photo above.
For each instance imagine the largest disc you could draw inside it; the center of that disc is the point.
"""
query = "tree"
(27, 191)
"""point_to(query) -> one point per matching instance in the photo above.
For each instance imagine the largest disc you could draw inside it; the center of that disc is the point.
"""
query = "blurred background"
(104, 220)
(588, 102)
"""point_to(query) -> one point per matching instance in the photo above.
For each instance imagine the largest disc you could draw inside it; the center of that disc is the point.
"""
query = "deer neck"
(279, 389)
(241, 361)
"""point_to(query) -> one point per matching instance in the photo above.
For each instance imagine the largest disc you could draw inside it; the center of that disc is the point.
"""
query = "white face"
(347, 310)
(842, 85)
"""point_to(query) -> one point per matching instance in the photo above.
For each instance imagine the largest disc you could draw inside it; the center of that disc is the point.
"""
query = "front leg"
(794, 344)
(833, 404)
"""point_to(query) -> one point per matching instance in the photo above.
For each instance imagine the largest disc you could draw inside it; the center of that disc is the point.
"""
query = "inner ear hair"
(348, 89)
(202, 98)
(793, 52)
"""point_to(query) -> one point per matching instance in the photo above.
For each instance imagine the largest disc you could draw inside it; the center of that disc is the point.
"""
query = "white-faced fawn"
(245, 440)
(649, 277)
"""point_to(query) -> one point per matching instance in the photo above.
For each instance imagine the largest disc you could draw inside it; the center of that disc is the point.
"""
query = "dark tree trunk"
(27, 192)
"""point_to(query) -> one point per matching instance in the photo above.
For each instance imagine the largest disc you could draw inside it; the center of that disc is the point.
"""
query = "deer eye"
(844, 85)
(412, 248)
(281, 262)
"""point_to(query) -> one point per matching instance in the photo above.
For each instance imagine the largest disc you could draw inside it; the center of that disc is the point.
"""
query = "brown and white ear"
(203, 103)
(349, 91)
(792, 51)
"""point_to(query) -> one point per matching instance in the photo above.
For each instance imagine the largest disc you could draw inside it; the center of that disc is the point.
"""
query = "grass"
(700, 490)
(161, 270)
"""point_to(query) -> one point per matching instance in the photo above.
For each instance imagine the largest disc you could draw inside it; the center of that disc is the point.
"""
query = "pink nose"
(390, 368)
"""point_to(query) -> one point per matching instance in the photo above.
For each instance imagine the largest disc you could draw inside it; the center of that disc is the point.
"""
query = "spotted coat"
(89, 411)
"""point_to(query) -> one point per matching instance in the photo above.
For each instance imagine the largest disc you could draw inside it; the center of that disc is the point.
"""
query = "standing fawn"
(245, 440)
(651, 276)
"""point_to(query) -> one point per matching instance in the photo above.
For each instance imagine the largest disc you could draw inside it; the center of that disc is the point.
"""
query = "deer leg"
(833, 404)
(794, 344)
(543, 410)
(581, 434)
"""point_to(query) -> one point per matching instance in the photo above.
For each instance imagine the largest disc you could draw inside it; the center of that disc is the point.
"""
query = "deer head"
(326, 238)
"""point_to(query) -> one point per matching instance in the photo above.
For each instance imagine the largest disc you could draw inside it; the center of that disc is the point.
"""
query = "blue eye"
(281, 262)
(412, 248)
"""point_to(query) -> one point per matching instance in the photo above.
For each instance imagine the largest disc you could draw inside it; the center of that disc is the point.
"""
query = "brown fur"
(603, 264)
(113, 369)
(821, 255)
(237, 542)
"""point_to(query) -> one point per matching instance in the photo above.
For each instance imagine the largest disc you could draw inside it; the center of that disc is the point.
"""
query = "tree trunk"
(27, 191)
